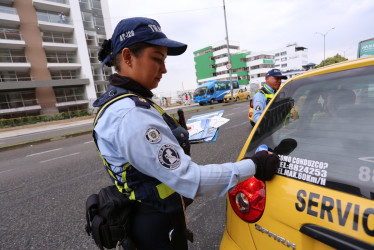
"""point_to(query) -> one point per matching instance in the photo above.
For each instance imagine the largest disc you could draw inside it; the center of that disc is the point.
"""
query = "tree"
(331, 60)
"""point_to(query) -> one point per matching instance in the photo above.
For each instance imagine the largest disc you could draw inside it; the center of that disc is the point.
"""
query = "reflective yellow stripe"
(119, 187)
(160, 110)
(164, 191)
(267, 96)
(127, 189)
(132, 196)
(266, 87)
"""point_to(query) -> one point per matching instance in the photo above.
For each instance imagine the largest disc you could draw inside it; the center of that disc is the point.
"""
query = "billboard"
(365, 48)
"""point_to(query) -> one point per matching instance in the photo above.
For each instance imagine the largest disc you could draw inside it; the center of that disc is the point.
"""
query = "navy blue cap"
(276, 73)
(134, 30)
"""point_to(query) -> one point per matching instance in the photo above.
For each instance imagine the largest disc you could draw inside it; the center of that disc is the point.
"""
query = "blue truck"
(213, 91)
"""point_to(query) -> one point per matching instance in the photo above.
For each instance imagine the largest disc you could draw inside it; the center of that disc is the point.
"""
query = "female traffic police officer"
(143, 148)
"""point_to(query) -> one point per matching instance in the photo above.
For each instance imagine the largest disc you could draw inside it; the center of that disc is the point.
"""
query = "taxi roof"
(351, 64)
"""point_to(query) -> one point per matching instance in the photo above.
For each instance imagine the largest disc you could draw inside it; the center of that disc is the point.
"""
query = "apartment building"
(211, 63)
(259, 64)
(48, 55)
(290, 58)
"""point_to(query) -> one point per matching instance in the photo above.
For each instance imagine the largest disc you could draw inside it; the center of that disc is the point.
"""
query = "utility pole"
(324, 44)
(229, 65)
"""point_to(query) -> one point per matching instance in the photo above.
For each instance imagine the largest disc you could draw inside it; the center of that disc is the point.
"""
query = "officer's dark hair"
(106, 49)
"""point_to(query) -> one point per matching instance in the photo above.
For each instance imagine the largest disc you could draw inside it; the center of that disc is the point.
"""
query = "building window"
(57, 37)
(84, 4)
(284, 65)
(14, 76)
(64, 74)
(52, 17)
(99, 25)
(69, 94)
(12, 56)
(61, 57)
(18, 99)
(10, 34)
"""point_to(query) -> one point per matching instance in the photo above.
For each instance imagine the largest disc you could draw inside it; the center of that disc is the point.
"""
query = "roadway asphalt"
(11, 134)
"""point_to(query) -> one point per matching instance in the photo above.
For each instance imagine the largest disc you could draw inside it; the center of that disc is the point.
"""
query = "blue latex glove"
(262, 147)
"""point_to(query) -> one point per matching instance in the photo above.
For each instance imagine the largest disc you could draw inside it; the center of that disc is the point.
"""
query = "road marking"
(59, 157)
(44, 152)
(238, 125)
(6, 171)
(230, 114)
(87, 142)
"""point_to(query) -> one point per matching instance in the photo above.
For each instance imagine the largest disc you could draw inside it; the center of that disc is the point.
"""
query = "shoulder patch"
(168, 157)
(153, 135)
(258, 108)
(140, 102)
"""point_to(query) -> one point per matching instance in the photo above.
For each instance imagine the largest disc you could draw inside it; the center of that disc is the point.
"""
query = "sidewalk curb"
(87, 131)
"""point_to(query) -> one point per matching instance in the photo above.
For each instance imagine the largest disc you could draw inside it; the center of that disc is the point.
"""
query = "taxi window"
(322, 128)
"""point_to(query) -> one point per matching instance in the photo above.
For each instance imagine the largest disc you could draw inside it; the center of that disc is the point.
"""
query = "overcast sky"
(258, 25)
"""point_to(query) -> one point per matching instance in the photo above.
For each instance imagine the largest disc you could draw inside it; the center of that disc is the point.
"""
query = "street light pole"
(228, 52)
(345, 51)
(324, 43)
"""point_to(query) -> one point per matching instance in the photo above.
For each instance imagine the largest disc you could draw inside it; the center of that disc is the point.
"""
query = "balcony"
(65, 75)
(89, 25)
(97, 12)
(52, 5)
(7, 2)
(13, 62)
(100, 79)
(62, 62)
(85, 6)
(53, 22)
(14, 76)
(18, 101)
(8, 16)
(57, 41)
(15, 107)
(69, 96)
(59, 47)
(11, 39)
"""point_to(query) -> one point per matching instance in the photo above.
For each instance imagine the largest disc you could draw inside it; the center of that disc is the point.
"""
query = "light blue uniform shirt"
(126, 133)
(259, 103)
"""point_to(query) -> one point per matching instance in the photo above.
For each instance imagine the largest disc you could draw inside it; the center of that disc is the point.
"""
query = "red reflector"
(251, 103)
(248, 199)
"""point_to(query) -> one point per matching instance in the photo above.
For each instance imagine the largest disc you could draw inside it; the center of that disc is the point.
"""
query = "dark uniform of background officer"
(263, 96)
(142, 145)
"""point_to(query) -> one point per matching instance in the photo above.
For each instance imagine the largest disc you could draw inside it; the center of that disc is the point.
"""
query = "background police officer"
(263, 96)
(142, 147)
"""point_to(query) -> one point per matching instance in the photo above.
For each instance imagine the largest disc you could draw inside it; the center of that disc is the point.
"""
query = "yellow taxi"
(239, 94)
(321, 125)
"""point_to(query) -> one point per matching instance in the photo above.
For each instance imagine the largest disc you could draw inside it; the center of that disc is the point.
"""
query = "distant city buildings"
(49, 53)
(249, 68)
(290, 58)
(212, 63)
(259, 64)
